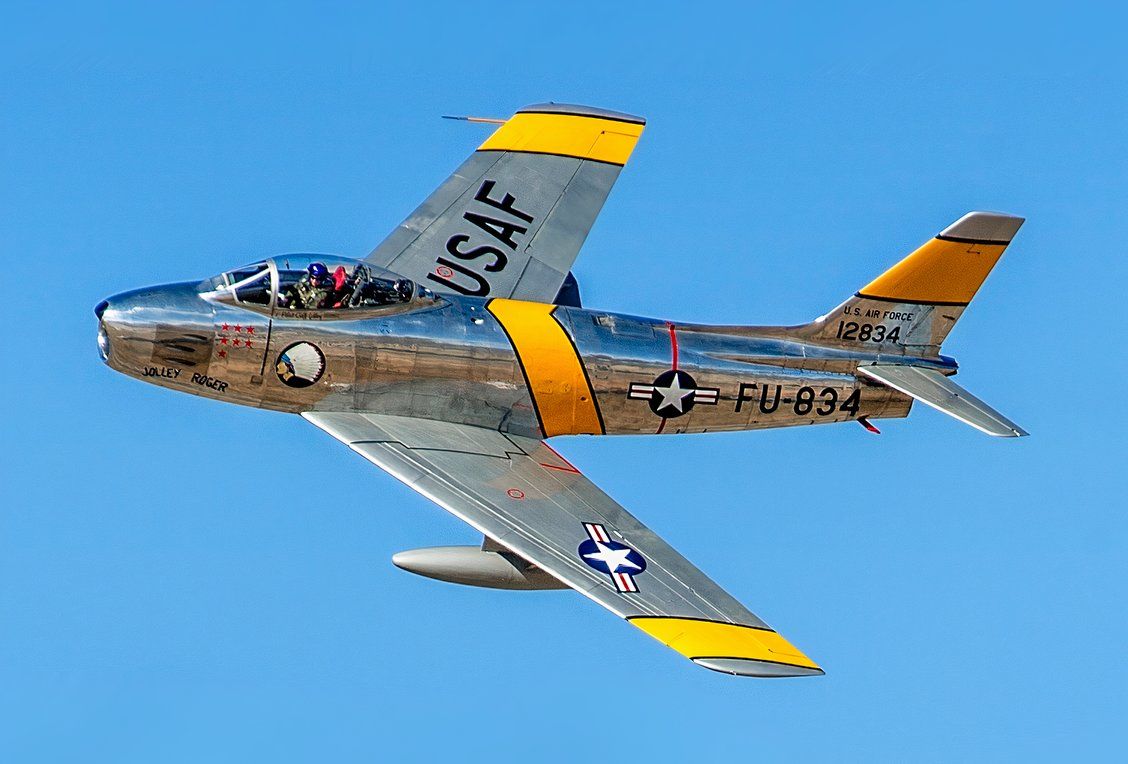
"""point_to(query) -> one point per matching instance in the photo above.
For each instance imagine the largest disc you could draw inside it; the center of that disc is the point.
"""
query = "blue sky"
(168, 592)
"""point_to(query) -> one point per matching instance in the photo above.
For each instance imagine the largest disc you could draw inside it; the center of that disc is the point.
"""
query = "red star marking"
(250, 330)
(238, 327)
(223, 340)
(225, 327)
(222, 353)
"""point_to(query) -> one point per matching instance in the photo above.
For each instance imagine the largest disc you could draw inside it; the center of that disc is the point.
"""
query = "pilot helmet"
(318, 271)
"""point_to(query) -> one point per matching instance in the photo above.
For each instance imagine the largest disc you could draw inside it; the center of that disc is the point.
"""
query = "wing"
(510, 221)
(527, 498)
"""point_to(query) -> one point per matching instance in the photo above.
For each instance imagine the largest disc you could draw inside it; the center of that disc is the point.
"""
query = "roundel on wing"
(611, 557)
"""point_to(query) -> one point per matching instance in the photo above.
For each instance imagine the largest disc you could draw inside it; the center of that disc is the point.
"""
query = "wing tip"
(568, 130)
(730, 648)
(757, 668)
(580, 110)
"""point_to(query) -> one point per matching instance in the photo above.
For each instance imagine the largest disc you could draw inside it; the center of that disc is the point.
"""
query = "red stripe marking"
(673, 363)
(569, 468)
(572, 470)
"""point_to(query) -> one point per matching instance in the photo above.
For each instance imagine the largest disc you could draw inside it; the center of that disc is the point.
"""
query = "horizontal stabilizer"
(934, 389)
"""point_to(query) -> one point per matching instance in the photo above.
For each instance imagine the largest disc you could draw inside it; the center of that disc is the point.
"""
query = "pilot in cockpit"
(314, 290)
(318, 289)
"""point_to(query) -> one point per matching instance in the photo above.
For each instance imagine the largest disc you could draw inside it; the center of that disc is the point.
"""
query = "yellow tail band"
(939, 273)
(949, 269)
(558, 382)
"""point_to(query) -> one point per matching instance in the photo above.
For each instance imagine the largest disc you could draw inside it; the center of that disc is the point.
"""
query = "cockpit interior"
(306, 286)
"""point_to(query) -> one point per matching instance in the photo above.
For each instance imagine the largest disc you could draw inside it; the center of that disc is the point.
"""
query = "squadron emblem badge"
(300, 365)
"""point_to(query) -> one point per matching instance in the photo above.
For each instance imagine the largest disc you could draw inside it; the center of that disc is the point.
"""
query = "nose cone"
(103, 336)
(140, 328)
(120, 318)
(104, 329)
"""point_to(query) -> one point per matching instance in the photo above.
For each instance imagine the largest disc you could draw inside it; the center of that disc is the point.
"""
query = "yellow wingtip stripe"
(603, 140)
(940, 271)
(711, 639)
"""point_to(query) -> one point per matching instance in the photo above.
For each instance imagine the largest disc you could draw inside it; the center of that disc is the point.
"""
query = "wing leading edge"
(511, 219)
(526, 497)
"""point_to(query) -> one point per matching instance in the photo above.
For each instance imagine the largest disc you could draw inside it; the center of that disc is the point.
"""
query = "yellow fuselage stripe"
(711, 639)
(561, 392)
(604, 140)
(939, 272)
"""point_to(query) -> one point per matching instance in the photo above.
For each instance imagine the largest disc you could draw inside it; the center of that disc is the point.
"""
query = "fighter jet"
(458, 348)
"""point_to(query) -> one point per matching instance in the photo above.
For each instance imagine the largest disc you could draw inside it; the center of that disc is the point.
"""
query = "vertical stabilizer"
(913, 306)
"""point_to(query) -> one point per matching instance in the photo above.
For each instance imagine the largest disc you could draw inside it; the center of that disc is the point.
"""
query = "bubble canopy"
(317, 286)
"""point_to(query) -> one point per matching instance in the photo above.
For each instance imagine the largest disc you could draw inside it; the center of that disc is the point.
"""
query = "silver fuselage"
(451, 359)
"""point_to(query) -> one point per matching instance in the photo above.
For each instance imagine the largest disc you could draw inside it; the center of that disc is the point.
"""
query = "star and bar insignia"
(673, 393)
(617, 560)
